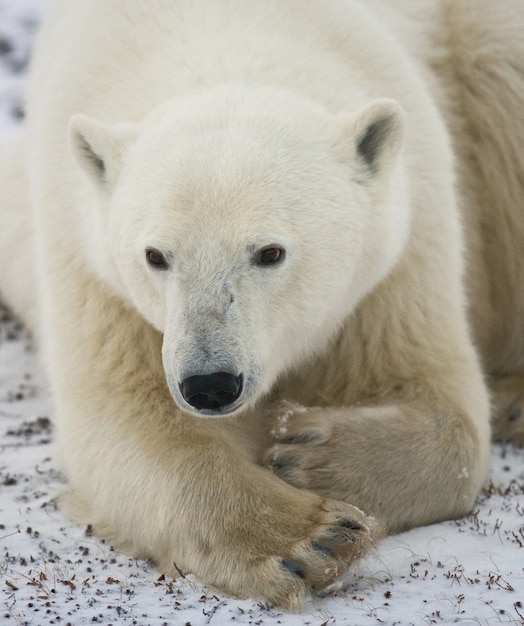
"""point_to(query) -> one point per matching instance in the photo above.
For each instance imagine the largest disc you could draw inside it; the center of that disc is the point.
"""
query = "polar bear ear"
(377, 132)
(99, 149)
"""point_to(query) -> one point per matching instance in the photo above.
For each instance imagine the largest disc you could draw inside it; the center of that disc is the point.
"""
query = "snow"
(469, 571)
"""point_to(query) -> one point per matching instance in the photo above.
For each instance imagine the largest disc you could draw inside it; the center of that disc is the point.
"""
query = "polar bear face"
(246, 227)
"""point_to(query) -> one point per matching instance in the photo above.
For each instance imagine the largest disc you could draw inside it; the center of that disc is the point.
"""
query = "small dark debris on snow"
(39, 426)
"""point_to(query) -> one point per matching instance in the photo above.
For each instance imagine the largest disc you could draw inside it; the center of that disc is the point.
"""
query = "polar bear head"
(246, 224)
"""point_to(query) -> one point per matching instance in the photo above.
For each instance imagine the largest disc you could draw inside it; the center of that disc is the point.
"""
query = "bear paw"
(301, 453)
(339, 534)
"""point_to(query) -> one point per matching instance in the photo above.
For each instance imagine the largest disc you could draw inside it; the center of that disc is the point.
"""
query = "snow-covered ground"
(52, 572)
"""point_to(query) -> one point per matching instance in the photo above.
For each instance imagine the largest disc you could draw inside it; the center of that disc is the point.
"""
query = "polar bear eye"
(156, 259)
(270, 255)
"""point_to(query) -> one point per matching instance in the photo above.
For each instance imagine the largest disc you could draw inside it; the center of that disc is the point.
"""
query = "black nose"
(211, 391)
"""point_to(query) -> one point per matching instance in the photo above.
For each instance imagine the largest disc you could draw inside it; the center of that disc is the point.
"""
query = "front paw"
(302, 451)
(337, 535)
(292, 543)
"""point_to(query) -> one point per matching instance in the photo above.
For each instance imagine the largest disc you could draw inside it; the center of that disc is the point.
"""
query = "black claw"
(294, 568)
(350, 524)
(302, 438)
(276, 463)
(321, 547)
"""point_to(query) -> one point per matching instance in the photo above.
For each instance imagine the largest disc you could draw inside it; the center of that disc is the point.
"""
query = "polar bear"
(264, 247)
